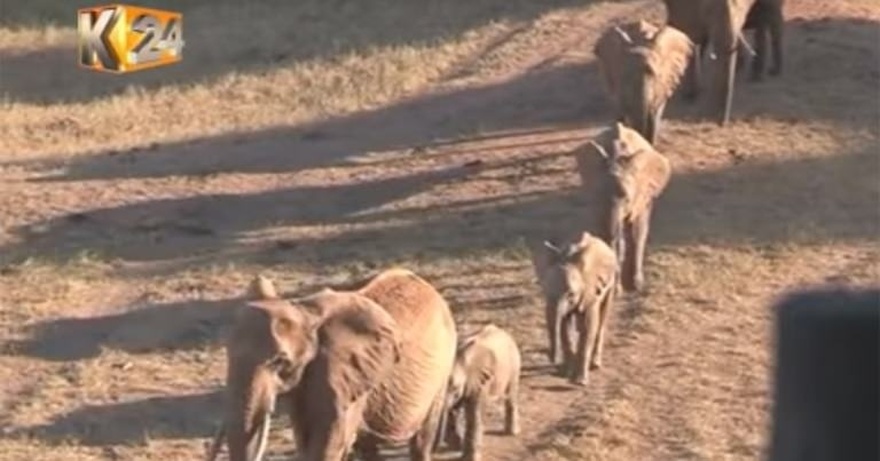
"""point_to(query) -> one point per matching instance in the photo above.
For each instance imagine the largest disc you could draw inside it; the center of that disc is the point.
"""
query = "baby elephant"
(579, 280)
(487, 367)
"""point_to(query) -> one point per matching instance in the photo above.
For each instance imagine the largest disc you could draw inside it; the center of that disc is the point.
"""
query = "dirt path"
(114, 323)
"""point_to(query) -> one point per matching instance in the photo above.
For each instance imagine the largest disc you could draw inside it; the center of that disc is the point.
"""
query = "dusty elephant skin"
(719, 24)
(364, 379)
(409, 404)
(321, 355)
(579, 282)
(487, 369)
(641, 65)
(626, 176)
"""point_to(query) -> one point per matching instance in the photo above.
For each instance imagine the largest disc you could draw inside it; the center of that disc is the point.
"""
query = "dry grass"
(321, 141)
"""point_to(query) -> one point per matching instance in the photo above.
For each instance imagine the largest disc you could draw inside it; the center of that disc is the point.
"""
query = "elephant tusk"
(746, 45)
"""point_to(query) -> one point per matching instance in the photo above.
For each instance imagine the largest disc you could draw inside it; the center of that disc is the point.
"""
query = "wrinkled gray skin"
(579, 282)
(623, 173)
(338, 362)
(642, 65)
(487, 369)
(718, 25)
(320, 356)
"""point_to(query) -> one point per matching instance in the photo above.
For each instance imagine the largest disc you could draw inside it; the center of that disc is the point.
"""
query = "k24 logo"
(124, 38)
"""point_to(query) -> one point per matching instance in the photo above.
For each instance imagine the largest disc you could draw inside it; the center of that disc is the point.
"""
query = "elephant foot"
(580, 381)
(595, 364)
(775, 71)
(454, 442)
(562, 371)
(512, 429)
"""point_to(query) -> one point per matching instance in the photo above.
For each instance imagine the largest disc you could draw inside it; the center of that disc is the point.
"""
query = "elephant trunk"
(252, 398)
(646, 113)
(559, 311)
(728, 74)
(614, 223)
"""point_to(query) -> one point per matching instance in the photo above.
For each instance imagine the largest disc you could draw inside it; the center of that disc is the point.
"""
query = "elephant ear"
(481, 363)
(609, 51)
(670, 52)
(359, 343)
(592, 160)
(543, 255)
(262, 287)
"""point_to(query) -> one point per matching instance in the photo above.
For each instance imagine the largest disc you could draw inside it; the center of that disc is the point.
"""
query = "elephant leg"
(511, 407)
(604, 308)
(452, 435)
(422, 444)
(588, 328)
(775, 22)
(654, 123)
(760, 53)
(568, 353)
(640, 231)
(300, 428)
(554, 325)
(692, 75)
(628, 269)
(473, 432)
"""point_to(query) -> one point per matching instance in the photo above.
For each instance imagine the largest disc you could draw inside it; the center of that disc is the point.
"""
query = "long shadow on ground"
(136, 421)
(229, 37)
(536, 100)
(154, 328)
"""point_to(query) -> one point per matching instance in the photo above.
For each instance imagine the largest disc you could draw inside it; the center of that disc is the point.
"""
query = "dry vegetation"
(319, 140)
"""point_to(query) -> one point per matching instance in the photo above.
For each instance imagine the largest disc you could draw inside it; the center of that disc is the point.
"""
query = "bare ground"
(134, 210)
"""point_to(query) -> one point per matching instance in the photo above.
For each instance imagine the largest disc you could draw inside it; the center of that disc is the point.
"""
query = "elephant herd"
(381, 362)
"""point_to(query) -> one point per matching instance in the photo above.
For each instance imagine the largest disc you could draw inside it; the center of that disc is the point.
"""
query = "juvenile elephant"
(624, 175)
(719, 24)
(353, 368)
(487, 369)
(578, 280)
(641, 65)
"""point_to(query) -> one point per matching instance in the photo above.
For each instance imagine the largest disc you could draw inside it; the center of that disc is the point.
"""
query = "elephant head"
(324, 353)
(270, 345)
(643, 65)
(622, 173)
(561, 277)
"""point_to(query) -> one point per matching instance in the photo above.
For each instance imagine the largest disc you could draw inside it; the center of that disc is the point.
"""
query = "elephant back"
(399, 405)
(495, 348)
(597, 262)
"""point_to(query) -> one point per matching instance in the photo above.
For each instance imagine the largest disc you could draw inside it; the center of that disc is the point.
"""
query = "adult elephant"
(719, 24)
(354, 368)
(641, 65)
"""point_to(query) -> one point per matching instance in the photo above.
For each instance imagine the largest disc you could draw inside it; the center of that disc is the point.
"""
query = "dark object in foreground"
(826, 391)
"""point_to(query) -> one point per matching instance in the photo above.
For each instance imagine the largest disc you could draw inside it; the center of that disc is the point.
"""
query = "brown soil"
(320, 142)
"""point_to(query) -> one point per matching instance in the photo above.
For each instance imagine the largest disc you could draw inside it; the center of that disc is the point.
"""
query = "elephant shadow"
(175, 326)
(136, 421)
